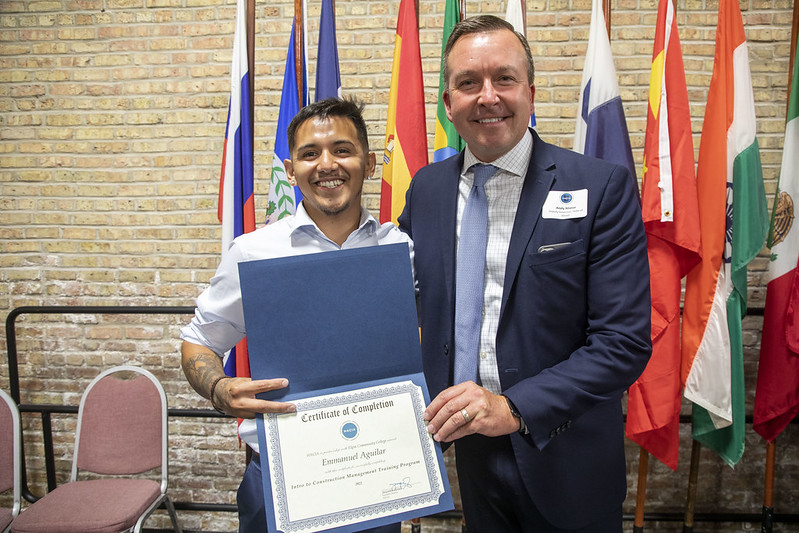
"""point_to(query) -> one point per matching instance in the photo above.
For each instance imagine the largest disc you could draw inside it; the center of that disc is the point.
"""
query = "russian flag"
(236, 207)
(601, 129)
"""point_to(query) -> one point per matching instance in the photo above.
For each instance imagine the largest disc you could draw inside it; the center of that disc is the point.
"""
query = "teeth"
(490, 120)
(330, 184)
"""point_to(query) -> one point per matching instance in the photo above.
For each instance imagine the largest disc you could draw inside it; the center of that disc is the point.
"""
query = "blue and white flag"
(283, 198)
(328, 77)
(601, 129)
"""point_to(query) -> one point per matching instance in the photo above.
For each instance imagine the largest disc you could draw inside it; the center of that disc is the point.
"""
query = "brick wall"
(111, 128)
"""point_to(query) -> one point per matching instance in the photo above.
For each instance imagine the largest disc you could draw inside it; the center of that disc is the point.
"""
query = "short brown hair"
(484, 24)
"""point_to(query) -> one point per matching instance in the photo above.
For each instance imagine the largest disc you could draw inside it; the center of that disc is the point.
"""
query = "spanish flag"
(406, 135)
(733, 219)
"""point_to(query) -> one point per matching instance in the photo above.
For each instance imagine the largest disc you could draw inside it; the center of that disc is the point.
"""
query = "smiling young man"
(330, 159)
(527, 377)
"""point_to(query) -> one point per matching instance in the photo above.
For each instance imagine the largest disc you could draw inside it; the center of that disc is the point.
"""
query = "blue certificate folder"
(333, 322)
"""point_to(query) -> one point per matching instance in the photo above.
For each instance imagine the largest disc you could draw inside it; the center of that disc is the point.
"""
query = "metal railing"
(46, 410)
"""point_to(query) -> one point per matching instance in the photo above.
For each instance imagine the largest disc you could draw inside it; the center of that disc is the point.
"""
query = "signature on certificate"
(398, 486)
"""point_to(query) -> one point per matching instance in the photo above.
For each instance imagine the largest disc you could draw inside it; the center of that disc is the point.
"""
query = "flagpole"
(643, 468)
(298, 48)
(688, 523)
(462, 8)
(606, 10)
(251, 67)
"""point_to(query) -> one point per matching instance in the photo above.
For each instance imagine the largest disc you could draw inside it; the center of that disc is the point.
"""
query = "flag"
(283, 198)
(447, 142)
(328, 77)
(236, 203)
(734, 222)
(777, 394)
(670, 210)
(406, 137)
(515, 16)
(601, 129)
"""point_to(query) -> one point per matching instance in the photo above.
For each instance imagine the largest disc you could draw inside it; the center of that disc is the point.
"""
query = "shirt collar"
(302, 219)
(514, 161)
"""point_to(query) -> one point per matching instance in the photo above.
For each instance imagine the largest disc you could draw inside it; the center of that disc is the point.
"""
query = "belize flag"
(283, 198)
(236, 207)
(733, 219)
(601, 129)
(328, 77)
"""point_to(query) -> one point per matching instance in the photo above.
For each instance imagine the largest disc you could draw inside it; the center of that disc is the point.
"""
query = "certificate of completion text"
(350, 457)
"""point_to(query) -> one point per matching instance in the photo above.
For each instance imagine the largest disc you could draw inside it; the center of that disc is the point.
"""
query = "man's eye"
(308, 154)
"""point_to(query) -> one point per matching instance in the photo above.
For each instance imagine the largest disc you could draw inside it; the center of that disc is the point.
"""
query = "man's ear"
(445, 97)
(371, 164)
(290, 171)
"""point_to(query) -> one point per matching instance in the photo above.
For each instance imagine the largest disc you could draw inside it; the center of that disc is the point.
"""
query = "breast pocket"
(556, 279)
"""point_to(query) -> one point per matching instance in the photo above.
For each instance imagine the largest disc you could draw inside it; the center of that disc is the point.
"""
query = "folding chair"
(10, 457)
(122, 431)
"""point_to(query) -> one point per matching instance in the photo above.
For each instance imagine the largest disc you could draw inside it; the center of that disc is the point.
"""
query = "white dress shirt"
(218, 322)
(503, 190)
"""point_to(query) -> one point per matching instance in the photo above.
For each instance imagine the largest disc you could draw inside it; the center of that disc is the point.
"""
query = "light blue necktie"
(470, 276)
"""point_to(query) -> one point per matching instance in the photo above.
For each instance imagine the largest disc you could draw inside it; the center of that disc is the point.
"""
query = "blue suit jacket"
(574, 328)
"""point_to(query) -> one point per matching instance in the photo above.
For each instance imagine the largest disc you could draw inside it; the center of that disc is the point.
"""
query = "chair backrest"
(10, 449)
(122, 425)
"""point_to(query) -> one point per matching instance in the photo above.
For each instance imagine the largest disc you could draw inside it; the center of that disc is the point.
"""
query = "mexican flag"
(777, 394)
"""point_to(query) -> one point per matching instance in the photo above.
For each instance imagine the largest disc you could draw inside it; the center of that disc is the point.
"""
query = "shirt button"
(483, 355)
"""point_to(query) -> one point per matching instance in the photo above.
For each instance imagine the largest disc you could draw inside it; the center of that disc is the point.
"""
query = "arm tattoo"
(201, 370)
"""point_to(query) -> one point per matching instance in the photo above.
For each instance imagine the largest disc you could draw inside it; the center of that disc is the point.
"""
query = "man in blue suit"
(563, 325)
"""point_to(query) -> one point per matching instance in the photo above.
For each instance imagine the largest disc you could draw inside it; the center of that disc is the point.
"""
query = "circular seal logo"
(566, 198)
(349, 430)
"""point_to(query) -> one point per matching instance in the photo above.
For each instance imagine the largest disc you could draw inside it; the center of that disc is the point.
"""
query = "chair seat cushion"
(94, 506)
(5, 518)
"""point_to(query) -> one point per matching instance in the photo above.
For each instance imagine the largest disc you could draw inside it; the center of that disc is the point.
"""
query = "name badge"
(566, 204)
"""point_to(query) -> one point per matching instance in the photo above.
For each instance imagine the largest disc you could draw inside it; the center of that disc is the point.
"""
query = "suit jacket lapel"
(446, 218)
(541, 176)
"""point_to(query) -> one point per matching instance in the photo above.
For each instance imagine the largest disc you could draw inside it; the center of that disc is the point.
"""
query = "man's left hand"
(467, 408)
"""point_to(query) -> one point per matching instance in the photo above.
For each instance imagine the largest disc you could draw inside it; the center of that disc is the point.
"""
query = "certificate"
(342, 327)
(351, 457)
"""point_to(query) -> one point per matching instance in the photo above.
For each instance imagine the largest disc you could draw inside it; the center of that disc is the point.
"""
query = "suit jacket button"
(446, 349)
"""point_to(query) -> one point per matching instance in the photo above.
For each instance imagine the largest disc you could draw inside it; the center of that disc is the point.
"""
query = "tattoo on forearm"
(201, 370)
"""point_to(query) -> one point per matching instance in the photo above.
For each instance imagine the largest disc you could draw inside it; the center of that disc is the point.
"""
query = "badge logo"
(566, 198)
(349, 430)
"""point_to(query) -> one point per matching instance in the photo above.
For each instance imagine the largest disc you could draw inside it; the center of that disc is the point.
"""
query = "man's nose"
(488, 94)
(327, 161)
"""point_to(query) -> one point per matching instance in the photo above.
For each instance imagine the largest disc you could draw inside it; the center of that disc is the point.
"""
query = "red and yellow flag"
(406, 134)
(670, 211)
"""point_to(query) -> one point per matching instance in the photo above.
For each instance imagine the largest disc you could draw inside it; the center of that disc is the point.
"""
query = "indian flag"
(406, 135)
(733, 219)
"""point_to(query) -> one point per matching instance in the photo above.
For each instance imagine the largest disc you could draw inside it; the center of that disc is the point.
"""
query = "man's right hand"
(237, 397)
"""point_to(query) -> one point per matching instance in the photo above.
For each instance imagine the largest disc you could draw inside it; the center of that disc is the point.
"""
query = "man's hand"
(468, 408)
(234, 396)
(237, 397)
